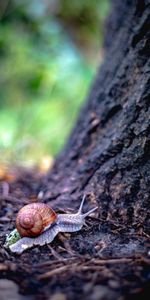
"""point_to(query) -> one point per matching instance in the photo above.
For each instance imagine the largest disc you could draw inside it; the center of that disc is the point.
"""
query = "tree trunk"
(107, 157)
(108, 153)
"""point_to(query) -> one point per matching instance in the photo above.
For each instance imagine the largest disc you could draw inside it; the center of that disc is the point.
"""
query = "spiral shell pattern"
(34, 218)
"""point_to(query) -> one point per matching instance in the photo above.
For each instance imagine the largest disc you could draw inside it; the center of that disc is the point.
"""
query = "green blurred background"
(49, 53)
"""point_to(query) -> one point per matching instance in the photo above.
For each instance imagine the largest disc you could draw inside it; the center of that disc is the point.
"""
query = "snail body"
(52, 225)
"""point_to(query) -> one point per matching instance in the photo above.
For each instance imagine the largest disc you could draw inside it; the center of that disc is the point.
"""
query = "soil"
(102, 261)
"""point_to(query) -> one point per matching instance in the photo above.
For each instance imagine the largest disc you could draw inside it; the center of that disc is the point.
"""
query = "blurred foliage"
(48, 56)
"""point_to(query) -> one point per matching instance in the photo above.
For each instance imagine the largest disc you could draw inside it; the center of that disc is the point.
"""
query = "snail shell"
(34, 218)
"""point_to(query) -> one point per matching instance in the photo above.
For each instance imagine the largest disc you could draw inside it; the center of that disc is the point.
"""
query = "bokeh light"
(49, 53)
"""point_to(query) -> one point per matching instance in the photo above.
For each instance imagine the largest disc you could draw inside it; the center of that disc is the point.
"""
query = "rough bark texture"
(107, 157)
(108, 152)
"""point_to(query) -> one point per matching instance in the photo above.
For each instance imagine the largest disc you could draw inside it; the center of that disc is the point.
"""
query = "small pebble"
(58, 296)
(9, 290)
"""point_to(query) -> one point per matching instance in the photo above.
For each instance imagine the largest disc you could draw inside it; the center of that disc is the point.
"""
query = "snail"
(38, 224)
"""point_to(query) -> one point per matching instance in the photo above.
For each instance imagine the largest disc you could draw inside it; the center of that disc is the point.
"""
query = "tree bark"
(108, 153)
(107, 157)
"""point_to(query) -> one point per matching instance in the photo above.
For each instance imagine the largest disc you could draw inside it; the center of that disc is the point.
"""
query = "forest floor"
(102, 261)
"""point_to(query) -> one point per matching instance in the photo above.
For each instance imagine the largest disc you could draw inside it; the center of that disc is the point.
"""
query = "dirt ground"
(112, 263)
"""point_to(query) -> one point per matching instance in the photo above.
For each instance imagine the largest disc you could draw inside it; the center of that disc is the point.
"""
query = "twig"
(67, 246)
(14, 199)
(114, 260)
(5, 188)
(55, 254)
(55, 272)
(95, 265)
(53, 262)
